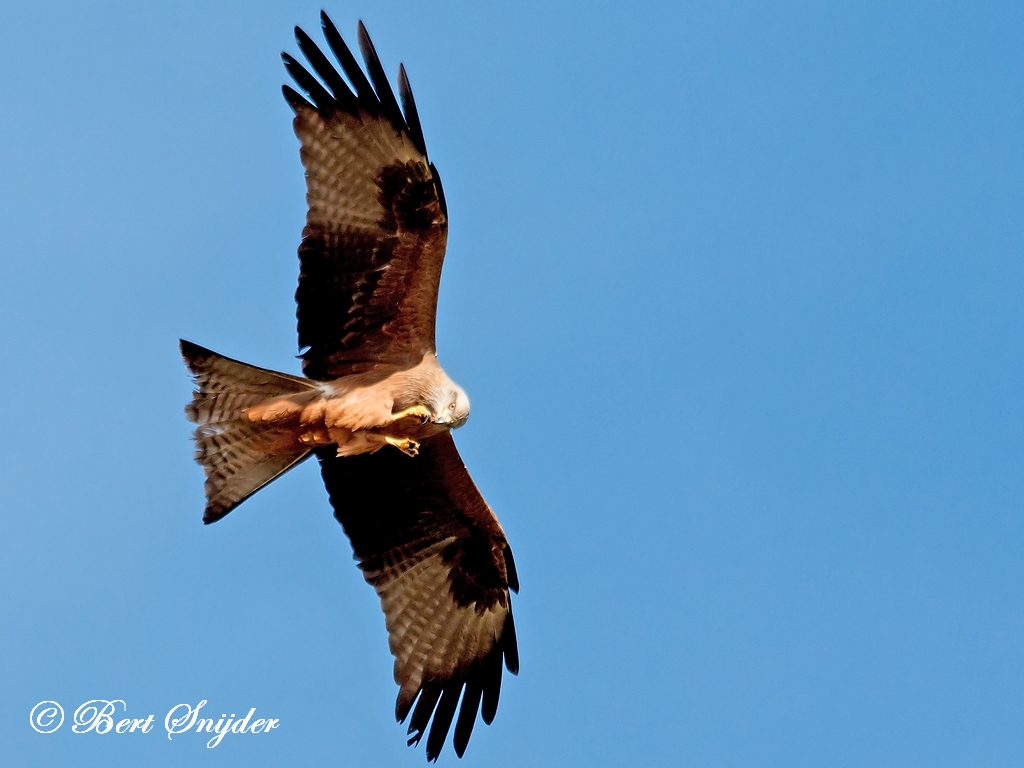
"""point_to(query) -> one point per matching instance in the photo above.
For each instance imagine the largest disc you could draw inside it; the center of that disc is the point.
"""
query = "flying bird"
(373, 404)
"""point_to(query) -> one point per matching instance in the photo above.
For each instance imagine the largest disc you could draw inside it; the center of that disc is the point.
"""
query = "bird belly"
(355, 422)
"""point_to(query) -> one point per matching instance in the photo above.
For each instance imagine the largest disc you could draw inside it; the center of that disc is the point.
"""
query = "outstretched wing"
(437, 556)
(377, 226)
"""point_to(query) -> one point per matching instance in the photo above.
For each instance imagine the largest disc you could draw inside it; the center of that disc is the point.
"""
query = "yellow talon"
(404, 444)
(421, 412)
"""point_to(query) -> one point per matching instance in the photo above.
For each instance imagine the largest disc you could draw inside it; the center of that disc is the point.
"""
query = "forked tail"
(233, 451)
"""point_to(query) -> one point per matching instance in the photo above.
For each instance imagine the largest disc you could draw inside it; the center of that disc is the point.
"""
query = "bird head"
(453, 407)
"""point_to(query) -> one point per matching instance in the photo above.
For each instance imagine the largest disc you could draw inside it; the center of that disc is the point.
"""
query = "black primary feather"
(509, 646)
(402, 708)
(492, 686)
(511, 576)
(412, 117)
(323, 100)
(388, 103)
(421, 715)
(294, 99)
(440, 190)
(443, 719)
(326, 70)
(367, 97)
(467, 713)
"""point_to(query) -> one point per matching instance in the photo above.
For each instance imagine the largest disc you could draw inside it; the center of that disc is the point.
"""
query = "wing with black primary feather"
(437, 556)
(377, 226)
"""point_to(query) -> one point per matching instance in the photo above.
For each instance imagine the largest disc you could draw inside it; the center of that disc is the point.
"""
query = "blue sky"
(735, 289)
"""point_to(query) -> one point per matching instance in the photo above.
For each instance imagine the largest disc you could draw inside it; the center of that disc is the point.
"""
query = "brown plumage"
(431, 547)
(374, 405)
(377, 225)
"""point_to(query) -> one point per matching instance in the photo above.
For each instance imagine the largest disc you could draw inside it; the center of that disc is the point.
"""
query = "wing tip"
(442, 721)
(437, 702)
(467, 713)
(509, 644)
(322, 98)
(385, 95)
(412, 115)
(427, 700)
(370, 90)
(404, 703)
(511, 574)
(342, 95)
(294, 99)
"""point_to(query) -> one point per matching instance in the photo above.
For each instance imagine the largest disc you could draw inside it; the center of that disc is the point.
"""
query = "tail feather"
(231, 449)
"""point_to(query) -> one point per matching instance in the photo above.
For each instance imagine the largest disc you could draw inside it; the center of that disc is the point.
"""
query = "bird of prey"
(374, 405)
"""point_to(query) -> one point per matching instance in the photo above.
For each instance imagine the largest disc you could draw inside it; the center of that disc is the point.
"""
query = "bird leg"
(406, 445)
(420, 412)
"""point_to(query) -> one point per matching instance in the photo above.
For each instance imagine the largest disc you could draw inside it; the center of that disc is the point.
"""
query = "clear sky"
(735, 289)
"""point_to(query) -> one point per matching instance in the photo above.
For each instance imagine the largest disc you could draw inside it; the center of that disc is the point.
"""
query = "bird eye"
(452, 406)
